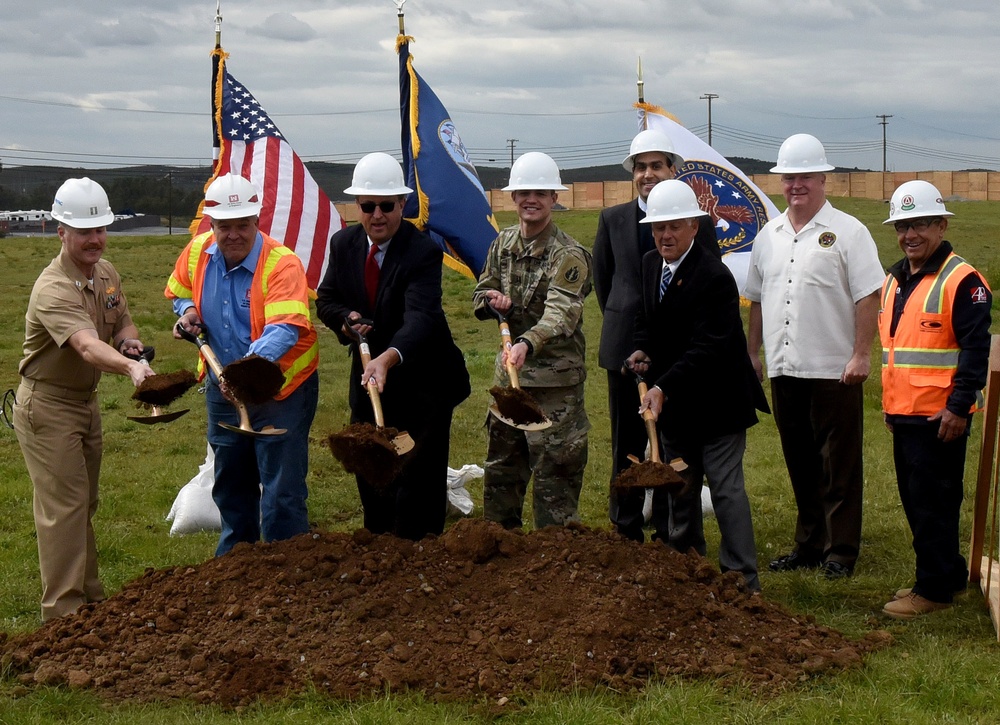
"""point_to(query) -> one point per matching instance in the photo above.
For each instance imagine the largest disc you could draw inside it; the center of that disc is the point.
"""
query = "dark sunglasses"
(368, 207)
(918, 225)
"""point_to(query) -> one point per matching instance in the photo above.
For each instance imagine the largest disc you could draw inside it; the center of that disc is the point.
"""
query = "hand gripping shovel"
(373, 452)
(512, 405)
(159, 391)
(652, 473)
(244, 427)
(401, 440)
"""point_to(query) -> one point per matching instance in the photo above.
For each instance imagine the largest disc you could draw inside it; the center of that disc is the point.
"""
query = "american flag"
(296, 211)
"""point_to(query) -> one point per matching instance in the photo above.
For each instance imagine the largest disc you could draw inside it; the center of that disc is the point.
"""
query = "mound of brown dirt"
(365, 449)
(649, 474)
(517, 405)
(165, 388)
(476, 612)
(253, 380)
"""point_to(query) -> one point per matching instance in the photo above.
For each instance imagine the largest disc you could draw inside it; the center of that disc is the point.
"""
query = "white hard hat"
(534, 171)
(82, 204)
(378, 174)
(669, 200)
(651, 140)
(231, 197)
(915, 199)
(801, 154)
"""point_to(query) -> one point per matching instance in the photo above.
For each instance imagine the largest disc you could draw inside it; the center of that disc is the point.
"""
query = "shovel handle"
(505, 340)
(371, 385)
(647, 416)
(216, 367)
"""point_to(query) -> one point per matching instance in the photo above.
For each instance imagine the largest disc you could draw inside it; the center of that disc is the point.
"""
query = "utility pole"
(511, 142)
(884, 122)
(708, 97)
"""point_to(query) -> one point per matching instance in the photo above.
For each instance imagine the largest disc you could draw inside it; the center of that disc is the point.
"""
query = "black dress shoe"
(836, 570)
(793, 561)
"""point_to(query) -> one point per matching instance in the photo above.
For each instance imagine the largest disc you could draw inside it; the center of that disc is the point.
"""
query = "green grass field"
(945, 668)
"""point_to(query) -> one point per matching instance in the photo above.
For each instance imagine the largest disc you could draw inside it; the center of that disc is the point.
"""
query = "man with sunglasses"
(934, 324)
(813, 286)
(383, 281)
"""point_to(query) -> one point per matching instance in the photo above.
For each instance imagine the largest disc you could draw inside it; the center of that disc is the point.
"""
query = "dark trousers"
(260, 482)
(820, 423)
(929, 474)
(720, 462)
(628, 435)
(415, 504)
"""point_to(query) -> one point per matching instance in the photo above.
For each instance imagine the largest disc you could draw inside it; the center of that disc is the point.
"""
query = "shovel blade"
(495, 411)
(267, 430)
(403, 442)
(161, 418)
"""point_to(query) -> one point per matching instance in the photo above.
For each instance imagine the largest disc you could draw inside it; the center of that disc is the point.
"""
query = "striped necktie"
(665, 280)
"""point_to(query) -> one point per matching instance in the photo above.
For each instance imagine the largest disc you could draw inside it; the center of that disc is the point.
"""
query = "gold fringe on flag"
(217, 113)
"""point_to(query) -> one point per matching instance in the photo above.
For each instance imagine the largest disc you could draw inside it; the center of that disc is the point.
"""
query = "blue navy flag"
(449, 202)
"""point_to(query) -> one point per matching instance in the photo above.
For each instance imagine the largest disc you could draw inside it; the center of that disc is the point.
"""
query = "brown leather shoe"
(912, 606)
(903, 593)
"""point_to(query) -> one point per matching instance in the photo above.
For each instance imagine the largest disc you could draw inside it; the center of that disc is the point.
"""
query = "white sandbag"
(193, 509)
(459, 500)
(706, 504)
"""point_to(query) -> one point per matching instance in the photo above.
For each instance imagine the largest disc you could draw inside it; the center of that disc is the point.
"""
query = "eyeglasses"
(917, 225)
(368, 207)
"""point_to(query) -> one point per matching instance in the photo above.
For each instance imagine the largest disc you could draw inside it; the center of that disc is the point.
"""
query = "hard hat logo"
(231, 197)
(907, 203)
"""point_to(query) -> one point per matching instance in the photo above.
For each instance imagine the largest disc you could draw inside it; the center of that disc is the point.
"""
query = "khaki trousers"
(61, 442)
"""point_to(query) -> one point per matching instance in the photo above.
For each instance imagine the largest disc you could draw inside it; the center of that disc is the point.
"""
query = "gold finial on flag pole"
(399, 13)
(638, 83)
(218, 23)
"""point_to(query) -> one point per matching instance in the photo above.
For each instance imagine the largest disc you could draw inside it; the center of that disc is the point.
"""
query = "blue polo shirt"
(225, 310)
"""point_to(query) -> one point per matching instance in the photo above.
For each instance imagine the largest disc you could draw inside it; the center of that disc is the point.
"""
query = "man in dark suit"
(618, 248)
(690, 345)
(387, 271)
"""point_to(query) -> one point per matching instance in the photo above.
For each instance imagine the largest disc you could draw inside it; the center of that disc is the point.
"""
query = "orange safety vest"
(278, 295)
(919, 361)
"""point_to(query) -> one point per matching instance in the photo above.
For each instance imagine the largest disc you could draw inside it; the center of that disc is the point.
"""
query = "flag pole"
(399, 14)
(639, 89)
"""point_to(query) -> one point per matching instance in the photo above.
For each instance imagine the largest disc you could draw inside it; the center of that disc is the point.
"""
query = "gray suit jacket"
(617, 277)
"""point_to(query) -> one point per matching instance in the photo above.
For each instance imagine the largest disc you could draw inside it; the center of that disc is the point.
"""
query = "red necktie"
(371, 275)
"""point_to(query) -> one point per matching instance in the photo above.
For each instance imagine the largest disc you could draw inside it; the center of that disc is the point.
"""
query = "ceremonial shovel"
(652, 473)
(163, 397)
(244, 427)
(402, 441)
(514, 406)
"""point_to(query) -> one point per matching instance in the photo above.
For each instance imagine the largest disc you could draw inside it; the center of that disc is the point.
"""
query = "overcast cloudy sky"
(117, 83)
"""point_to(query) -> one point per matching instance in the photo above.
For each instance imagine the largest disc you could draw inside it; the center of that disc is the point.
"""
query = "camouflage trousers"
(557, 456)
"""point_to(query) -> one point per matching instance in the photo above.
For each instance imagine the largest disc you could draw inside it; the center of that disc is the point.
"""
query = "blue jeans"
(244, 464)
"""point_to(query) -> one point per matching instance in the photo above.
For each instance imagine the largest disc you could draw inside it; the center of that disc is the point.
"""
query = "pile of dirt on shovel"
(476, 614)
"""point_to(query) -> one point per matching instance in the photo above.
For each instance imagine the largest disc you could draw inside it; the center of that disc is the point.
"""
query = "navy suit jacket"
(407, 316)
(617, 257)
(694, 338)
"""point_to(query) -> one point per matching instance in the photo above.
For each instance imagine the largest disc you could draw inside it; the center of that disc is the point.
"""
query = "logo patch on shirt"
(112, 298)
(979, 296)
(826, 239)
(931, 326)
(572, 274)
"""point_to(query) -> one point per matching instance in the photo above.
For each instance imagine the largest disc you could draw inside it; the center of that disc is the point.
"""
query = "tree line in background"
(177, 191)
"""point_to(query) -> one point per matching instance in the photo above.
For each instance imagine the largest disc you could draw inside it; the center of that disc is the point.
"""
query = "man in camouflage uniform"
(538, 276)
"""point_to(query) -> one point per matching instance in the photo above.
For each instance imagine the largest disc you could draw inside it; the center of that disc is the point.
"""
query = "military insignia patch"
(826, 239)
(737, 211)
(572, 274)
